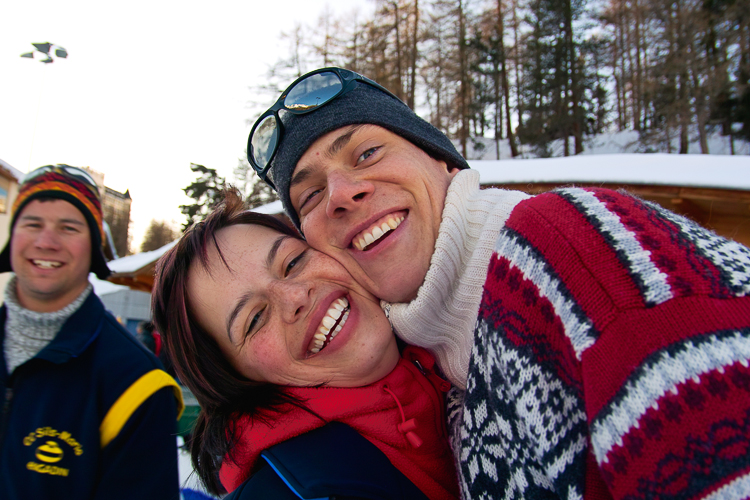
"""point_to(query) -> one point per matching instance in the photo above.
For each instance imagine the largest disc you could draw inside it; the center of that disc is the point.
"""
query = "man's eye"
(293, 263)
(367, 154)
(309, 198)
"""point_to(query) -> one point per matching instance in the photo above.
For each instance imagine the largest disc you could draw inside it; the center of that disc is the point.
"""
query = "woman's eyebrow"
(275, 250)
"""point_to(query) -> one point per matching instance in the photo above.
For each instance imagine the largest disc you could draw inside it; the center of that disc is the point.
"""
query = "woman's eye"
(293, 263)
(254, 323)
(366, 155)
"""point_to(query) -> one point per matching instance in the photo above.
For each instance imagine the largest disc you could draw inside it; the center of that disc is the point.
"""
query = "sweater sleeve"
(141, 461)
(613, 343)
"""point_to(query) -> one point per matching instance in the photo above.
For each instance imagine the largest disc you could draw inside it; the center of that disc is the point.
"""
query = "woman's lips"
(330, 326)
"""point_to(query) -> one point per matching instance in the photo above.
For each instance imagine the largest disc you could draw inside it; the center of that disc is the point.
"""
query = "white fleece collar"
(443, 316)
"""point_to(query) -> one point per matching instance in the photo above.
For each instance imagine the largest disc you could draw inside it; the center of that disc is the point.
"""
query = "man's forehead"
(52, 209)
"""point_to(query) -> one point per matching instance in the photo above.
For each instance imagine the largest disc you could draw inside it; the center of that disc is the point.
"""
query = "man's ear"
(452, 169)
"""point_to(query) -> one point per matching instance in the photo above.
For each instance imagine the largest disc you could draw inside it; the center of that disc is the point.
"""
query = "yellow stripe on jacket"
(132, 399)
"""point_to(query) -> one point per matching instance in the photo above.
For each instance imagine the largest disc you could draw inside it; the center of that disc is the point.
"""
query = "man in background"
(87, 411)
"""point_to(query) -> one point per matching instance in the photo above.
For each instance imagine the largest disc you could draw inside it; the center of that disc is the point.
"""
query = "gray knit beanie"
(363, 105)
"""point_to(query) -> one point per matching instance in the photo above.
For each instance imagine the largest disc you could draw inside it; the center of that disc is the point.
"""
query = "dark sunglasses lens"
(313, 91)
(263, 143)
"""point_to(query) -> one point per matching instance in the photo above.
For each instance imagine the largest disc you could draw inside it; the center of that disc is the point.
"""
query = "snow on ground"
(190, 484)
(484, 148)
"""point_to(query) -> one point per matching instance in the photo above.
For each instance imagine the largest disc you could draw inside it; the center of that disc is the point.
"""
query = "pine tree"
(158, 234)
(205, 190)
(255, 191)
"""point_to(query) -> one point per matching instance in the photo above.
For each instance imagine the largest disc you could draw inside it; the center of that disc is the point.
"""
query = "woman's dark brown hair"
(222, 392)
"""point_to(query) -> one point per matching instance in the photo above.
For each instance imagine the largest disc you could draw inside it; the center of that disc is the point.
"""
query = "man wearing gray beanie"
(578, 327)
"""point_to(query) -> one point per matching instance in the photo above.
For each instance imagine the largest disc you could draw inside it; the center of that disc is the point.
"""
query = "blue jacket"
(331, 462)
(90, 416)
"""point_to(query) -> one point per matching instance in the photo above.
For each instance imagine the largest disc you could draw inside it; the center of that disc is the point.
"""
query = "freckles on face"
(264, 307)
(231, 277)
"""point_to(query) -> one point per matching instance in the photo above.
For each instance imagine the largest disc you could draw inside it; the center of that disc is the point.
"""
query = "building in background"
(712, 190)
(116, 208)
(116, 211)
(130, 307)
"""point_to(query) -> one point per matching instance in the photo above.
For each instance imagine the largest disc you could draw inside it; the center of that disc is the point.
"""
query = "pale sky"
(149, 87)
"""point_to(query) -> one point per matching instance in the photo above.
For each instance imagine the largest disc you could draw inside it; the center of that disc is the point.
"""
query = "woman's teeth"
(331, 325)
(376, 232)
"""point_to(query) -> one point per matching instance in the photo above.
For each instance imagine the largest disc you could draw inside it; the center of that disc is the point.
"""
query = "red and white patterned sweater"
(609, 357)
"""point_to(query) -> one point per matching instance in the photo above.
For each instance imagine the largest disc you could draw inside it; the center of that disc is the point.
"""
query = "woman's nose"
(345, 193)
(294, 296)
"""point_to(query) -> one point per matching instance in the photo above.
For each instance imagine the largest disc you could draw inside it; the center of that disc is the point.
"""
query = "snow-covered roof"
(102, 287)
(133, 263)
(710, 171)
(13, 170)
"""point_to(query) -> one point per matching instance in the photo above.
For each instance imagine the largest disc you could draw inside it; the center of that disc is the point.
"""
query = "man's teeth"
(376, 232)
(337, 313)
(46, 264)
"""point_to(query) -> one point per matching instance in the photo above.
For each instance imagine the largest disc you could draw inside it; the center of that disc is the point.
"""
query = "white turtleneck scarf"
(443, 316)
(28, 332)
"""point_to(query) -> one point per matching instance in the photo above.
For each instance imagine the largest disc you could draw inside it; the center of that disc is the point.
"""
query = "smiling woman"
(285, 314)
(276, 340)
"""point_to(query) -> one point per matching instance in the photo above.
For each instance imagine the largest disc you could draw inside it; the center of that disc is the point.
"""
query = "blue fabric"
(332, 461)
(55, 402)
(191, 494)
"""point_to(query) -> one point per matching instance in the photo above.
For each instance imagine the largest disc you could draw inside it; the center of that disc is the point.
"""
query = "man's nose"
(47, 239)
(346, 192)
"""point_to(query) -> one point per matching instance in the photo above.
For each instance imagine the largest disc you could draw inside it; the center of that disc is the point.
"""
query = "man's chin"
(387, 277)
(398, 286)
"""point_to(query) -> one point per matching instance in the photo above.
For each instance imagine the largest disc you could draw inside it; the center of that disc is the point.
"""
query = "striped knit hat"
(70, 184)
